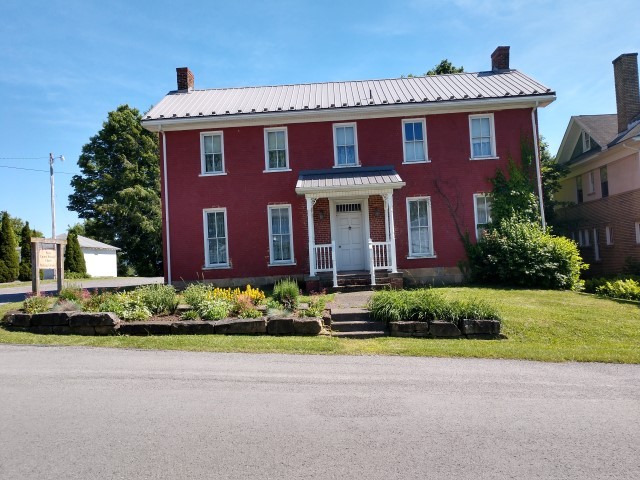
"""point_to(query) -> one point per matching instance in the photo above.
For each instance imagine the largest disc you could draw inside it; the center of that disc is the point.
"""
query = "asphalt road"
(76, 413)
(17, 294)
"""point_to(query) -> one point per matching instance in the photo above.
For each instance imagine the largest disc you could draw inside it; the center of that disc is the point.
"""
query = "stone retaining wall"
(468, 328)
(82, 323)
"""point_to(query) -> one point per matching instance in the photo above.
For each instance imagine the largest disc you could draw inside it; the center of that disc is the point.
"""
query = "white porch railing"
(324, 257)
(380, 258)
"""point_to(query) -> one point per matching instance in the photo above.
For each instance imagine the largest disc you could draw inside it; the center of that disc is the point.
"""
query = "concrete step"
(363, 335)
(357, 326)
(349, 315)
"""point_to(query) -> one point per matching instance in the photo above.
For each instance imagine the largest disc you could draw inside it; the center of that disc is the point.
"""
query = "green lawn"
(539, 325)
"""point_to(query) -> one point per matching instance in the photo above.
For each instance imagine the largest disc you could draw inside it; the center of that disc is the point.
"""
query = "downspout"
(537, 157)
(166, 203)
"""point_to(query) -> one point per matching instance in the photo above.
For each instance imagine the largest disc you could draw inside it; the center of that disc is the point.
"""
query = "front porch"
(350, 222)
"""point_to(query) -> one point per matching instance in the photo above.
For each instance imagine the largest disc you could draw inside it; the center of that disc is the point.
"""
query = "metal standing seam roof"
(362, 93)
(89, 242)
(373, 177)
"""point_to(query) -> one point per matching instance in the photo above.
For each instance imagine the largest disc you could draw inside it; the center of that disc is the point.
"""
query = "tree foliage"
(444, 67)
(18, 224)
(118, 192)
(26, 233)
(552, 173)
(9, 266)
(513, 196)
(73, 257)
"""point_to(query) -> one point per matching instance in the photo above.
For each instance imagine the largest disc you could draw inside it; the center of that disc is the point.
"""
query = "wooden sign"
(47, 259)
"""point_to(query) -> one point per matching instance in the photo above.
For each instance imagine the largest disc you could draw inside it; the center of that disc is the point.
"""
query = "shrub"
(36, 304)
(286, 293)
(244, 307)
(195, 294)
(74, 293)
(66, 306)
(521, 254)
(75, 275)
(424, 305)
(190, 315)
(126, 305)
(73, 257)
(158, 299)
(631, 266)
(628, 289)
(93, 303)
(316, 306)
(214, 309)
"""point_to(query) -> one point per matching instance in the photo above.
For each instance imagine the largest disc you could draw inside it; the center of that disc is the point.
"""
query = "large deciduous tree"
(9, 264)
(118, 192)
(444, 67)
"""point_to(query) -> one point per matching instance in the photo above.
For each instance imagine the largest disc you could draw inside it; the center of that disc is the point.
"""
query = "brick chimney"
(625, 73)
(185, 79)
(500, 59)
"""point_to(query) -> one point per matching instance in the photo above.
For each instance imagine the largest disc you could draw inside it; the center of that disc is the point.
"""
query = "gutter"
(166, 202)
(536, 151)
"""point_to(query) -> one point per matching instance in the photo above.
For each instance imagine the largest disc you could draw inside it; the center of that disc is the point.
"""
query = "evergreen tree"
(118, 192)
(9, 265)
(73, 257)
(25, 253)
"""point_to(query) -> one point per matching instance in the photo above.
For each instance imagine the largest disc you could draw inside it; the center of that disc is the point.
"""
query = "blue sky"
(65, 64)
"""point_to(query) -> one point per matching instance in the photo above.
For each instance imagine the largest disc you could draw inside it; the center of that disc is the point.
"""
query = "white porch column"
(312, 235)
(391, 232)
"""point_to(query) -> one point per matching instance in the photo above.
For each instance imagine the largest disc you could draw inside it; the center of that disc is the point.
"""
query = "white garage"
(100, 258)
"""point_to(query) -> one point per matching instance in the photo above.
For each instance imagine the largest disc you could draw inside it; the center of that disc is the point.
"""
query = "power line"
(34, 170)
(24, 158)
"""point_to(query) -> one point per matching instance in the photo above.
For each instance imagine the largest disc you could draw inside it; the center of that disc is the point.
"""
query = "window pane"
(280, 140)
(486, 148)
(413, 214)
(485, 127)
(286, 248)
(208, 162)
(351, 155)
(475, 127)
(217, 144)
(222, 250)
(349, 135)
(419, 150)
(217, 164)
(271, 140)
(211, 225)
(282, 159)
(342, 155)
(220, 230)
(340, 136)
(208, 144)
(408, 131)
(417, 128)
(275, 221)
(409, 152)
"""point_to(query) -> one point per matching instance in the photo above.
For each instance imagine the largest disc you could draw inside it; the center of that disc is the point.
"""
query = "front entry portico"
(349, 192)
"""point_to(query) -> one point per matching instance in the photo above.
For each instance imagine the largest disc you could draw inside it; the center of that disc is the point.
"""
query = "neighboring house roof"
(247, 101)
(601, 128)
(350, 178)
(89, 242)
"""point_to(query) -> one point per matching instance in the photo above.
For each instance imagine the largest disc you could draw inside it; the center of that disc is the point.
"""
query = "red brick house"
(377, 176)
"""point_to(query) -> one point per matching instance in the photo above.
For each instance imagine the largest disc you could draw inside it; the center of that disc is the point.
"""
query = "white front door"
(350, 237)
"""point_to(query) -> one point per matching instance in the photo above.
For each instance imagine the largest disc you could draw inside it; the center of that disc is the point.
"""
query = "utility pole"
(53, 199)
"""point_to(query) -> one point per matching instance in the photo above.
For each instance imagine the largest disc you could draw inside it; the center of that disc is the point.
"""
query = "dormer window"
(586, 141)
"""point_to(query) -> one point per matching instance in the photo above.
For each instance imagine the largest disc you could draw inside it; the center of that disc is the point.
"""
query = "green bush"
(286, 293)
(73, 257)
(631, 267)
(127, 305)
(214, 309)
(66, 306)
(190, 315)
(75, 275)
(521, 254)
(424, 305)
(159, 299)
(73, 293)
(195, 294)
(36, 304)
(627, 289)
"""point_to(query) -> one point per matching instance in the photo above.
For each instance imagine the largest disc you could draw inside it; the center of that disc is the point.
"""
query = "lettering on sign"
(47, 259)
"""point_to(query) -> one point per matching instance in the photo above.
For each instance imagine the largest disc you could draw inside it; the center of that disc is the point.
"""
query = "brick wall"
(376, 219)
(620, 212)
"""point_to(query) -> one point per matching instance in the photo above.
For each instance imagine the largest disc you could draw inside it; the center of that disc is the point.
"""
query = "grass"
(539, 325)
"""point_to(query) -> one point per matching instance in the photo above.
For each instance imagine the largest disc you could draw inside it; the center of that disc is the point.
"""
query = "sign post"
(46, 258)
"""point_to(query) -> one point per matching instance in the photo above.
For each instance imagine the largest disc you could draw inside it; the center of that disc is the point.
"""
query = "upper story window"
(345, 144)
(276, 149)
(592, 182)
(586, 141)
(415, 140)
(604, 182)
(482, 133)
(215, 236)
(211, 153)
(482, 210)
(579, 188)
(419, 223)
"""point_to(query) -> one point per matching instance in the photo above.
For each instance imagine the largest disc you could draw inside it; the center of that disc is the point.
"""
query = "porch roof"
(339, 180)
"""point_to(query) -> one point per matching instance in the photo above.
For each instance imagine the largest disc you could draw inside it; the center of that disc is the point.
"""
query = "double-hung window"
(345, 144)
(415, 140)
(592, 182)
(215, 236)
(212, 157)
(579, 193)
(276, 149)
(604, 182)
(609, 234)
(280, 234)
(419, 227)
(482, 136)
(482, 210)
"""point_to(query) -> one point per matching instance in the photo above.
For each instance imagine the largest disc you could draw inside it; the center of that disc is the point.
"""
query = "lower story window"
(280, 233)
(482, 209)
(215, 232)
(419, 226)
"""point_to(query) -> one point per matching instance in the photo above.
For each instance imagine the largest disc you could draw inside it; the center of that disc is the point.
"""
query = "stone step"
(362, 335)
(357, 326)
(349, 315)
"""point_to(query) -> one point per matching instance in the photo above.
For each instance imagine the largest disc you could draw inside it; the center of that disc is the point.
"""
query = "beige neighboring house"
(603, 186)
(101, 259)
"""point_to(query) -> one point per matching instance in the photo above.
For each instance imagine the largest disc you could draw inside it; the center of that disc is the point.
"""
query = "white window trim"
(475, 210)
(272, 262)
(638, 232)
(266, 150)
(355, 144)
(494, 155)
(203, 172)
(586, 142)
(424, 141)
(592, 182)
(411, 255)
(608, 231)
(587, 242)
(208, 265)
